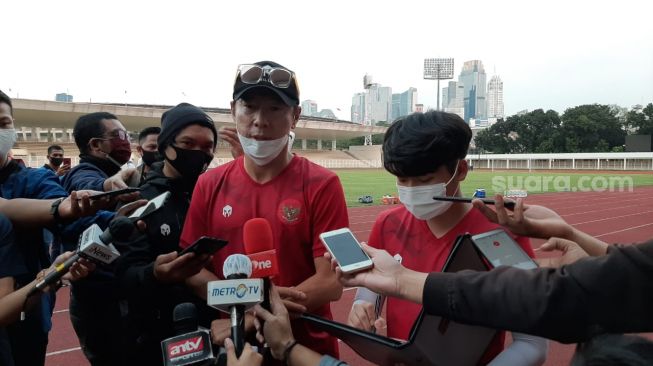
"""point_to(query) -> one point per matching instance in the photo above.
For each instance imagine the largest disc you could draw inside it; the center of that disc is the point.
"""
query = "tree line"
(585, 128)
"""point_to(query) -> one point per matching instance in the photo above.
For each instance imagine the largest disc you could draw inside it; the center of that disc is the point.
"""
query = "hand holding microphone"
(94, 245)
(234, 296)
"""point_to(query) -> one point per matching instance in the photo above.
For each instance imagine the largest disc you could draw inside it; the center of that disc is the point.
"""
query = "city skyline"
(540, 49)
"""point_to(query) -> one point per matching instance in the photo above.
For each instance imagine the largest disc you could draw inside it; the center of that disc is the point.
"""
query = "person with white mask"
(426, 153)
(298, 198)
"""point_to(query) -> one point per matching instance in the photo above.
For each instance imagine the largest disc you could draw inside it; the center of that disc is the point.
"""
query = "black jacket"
(607, 294)
(151, 303)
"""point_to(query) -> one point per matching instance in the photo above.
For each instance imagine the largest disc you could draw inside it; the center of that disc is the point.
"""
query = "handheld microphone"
(235, 295)
(94, 245)
(192, 344)
(259, 247)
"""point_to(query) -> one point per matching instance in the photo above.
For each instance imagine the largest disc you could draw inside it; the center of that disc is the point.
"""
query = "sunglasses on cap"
(254, 74)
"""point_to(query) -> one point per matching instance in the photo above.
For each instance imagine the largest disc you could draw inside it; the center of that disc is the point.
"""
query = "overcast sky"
(550, 54)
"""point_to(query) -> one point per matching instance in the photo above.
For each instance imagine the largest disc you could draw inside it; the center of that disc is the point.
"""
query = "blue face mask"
(7, 141)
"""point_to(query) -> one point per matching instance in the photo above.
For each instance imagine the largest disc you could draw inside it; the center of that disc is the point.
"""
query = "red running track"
(623, 217)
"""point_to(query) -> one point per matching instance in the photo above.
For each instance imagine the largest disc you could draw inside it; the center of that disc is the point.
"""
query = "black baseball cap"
(289, 95)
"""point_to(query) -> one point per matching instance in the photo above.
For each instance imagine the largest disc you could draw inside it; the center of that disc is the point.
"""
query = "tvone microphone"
(192, 344)
(94, 245)
(235, 295)
(259, 247)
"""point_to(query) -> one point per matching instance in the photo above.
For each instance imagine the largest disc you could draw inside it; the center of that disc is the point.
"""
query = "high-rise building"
(453, 98)
(63, 97)
(358, 107)
(380, 103)
(404, 103)
(473, 78)
(309, 108)
(495, 97)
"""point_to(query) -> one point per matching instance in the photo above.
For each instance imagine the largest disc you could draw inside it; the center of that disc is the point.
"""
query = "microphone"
(192, 344)
(94, 245)
(259, 247)
(235, 295)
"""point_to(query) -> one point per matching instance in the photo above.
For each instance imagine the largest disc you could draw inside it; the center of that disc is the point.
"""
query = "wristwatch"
(54, 210)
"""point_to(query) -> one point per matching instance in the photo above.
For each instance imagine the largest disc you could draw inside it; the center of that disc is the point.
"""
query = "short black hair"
(51, 148)
(4, 98)
(153, 130)
(89, 126)
(420, 143)
(614, 350)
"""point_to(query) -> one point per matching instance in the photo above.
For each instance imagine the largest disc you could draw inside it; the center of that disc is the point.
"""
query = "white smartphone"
(151, 206)
(344, 247)
(501, 250)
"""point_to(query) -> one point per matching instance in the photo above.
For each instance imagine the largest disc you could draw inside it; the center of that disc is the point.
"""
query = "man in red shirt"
(300, 200)
(426, 152)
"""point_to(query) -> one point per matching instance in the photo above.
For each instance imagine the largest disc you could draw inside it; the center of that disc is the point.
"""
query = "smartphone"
(509, 204)
(151, 206)
(205, 245)
(117, 192)
(66, 161)
(344, 247)
(502, 250)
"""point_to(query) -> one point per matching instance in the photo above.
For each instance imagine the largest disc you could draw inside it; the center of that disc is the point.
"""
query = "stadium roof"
(49, 114)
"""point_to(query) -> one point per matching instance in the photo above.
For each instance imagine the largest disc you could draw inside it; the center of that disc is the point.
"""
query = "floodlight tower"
(367, 121)
(438, 69)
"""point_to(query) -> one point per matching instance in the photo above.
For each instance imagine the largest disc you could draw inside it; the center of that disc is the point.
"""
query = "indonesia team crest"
(290, 211)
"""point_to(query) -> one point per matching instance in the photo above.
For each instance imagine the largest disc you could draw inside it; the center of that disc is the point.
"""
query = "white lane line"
(63, 351)
(627, 229)
(60, 311)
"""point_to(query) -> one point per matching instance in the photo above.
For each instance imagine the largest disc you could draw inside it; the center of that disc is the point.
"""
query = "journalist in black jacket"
(150, 272)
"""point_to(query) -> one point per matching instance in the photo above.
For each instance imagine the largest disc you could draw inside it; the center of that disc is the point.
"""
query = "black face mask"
(151, 157)
(56, 161)
(190, 164)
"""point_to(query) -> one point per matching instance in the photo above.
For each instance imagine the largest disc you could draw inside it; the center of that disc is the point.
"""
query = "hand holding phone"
(347, 251)
(205, 245)
(151, 206)
(502, 250)
(66, 161)
(112, 194)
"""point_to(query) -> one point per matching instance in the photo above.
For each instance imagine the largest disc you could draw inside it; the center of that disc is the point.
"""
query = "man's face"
(6, 119)
(55, 154)
(193, 137)
(263, 116)
(112, 129)
(149, 143)
(441, 175)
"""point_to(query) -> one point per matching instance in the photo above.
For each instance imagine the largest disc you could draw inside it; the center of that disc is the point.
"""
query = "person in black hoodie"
(149, 271)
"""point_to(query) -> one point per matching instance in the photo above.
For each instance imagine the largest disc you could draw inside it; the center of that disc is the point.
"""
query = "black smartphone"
(66, 161)
(205, 245)
(509, 204)
(117, 192)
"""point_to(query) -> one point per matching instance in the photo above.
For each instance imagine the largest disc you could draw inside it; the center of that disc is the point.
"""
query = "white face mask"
(7, 141)
(419, 200)
(264, 151)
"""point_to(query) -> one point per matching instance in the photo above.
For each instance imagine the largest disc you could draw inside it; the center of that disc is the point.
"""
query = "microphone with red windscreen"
(259, 247)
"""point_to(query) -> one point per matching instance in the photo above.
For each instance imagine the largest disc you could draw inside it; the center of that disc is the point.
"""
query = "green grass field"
(377, 182)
